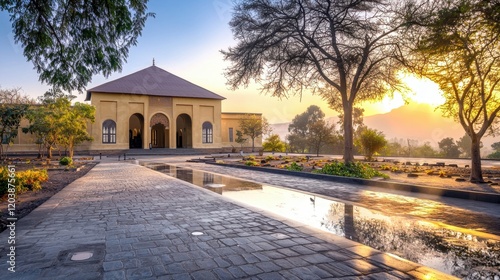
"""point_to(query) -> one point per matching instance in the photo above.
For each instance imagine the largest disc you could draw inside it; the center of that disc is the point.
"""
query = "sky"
(185, 38)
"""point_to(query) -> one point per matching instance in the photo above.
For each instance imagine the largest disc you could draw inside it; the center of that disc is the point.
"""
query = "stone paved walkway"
(138, 224)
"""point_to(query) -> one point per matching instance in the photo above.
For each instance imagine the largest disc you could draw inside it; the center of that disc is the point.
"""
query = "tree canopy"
(372, 141)
(70, 41)
(274, 144)
(254, 126)
(13, 107)
(457, 46)
(341, 49)
(57, 123)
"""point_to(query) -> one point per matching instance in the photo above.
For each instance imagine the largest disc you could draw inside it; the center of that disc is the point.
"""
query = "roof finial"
(153, 61)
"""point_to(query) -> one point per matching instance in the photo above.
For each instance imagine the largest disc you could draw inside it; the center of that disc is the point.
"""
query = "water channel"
(453, 250)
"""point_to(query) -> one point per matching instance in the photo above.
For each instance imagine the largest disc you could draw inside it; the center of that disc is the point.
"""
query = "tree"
(465, 145)
(340, 49)
(56, 122)
(69, 41)
(274, 144)
(448, 148)
(300, 126)
(458, 47)
(496, 146)
(13, 107)
(357, 126)
(424, 151)
(372, 141)
(496, 153)
(10, 119)
(320, 134)
(254, 126)
(74, 126)
(239, 138)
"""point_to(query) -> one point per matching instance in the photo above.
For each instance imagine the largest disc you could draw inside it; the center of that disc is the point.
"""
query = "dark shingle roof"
(154, 81)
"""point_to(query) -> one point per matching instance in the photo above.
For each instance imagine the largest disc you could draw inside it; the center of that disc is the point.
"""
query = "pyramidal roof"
(156, 82)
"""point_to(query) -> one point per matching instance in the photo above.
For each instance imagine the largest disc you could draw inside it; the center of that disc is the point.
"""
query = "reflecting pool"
(456, 251)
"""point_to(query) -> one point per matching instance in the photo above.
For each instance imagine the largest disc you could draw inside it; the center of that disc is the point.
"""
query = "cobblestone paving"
(467, 214)
(138, 224)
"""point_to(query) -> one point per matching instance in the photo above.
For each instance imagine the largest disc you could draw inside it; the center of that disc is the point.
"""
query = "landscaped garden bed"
(404, 175)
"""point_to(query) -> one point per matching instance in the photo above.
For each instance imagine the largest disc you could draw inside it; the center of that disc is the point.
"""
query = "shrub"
(357, 170)
(66, 161)
(294, 167)
(251, 158)
(32, 178)
(251, 163)
(24, 180)
(269, 158)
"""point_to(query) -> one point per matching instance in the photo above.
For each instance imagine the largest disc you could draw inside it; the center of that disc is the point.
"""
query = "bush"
(294, 167)
(32, 179)
(495, 155)
(357, 170)
(251, 163)
(66, 161)
(269, 158)
(24, 180)
(251, 158)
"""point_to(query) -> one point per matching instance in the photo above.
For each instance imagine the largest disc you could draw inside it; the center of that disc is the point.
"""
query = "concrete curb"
(470, 195)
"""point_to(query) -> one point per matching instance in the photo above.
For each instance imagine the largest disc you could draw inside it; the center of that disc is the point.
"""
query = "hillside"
(413, 121)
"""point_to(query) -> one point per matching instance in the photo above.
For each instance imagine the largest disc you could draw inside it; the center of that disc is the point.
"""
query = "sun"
(423, 90)
(420, 90)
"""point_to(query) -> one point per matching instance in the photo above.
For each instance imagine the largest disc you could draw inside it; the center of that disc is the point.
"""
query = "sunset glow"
(423, 90)
(420, 90)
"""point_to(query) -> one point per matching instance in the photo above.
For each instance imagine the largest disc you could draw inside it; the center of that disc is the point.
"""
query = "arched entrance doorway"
(159, 131)
(136, 131)
(184, 131)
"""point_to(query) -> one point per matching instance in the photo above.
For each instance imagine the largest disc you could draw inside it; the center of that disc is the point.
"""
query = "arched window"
(109, 132)
(207, 135)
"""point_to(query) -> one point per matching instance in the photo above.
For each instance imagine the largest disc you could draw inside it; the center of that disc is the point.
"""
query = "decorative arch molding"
(160, 118)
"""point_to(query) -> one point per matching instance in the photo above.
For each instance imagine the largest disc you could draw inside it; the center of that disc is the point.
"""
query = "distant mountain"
(417, 122)
(413, 121)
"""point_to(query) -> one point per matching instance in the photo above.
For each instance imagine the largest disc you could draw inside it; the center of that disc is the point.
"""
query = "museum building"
(153, 108)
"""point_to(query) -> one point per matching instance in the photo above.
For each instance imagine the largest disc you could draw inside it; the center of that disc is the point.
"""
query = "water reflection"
(462, 253)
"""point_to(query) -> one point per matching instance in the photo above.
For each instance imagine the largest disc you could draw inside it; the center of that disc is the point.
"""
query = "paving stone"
(268, 266)
(270, 276)
(363, 266)
(139, 273)
(237, 272)
(114, 275)
(223, 274)
(206, 264)
(203, 275)
(113, 265)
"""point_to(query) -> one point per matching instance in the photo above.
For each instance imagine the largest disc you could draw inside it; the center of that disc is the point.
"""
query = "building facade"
(153, 108)
(150, 109)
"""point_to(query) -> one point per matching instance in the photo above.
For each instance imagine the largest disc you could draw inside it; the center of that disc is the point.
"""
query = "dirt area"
(58, 179)
(451, 177)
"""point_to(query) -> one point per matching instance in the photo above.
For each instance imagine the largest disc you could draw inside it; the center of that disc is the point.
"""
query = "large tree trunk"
(348, 135)
(71, 150)
(49, 152)
(476, 174)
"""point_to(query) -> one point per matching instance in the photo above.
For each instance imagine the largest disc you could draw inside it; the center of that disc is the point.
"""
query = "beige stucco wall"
(23, 141)
(232, 120)
(120, 107)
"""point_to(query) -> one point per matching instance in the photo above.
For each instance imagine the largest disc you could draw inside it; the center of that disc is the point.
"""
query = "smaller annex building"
(153, 108)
